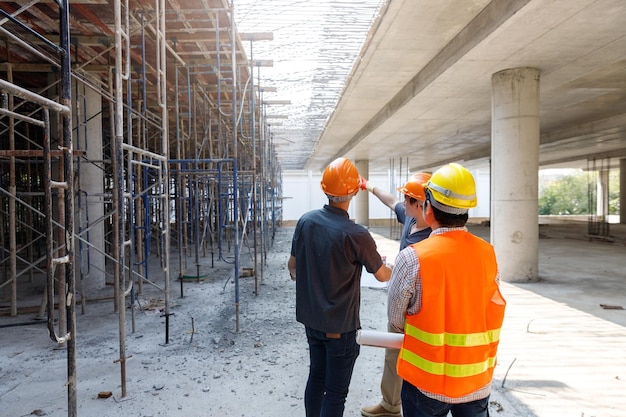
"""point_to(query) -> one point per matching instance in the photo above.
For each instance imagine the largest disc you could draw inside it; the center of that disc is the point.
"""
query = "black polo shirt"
(330, 251)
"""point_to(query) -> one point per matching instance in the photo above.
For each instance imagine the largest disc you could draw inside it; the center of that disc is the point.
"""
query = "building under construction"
(127, 133)
(137, 150)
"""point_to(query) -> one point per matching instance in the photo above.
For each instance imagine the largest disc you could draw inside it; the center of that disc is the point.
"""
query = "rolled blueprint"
(379, 339)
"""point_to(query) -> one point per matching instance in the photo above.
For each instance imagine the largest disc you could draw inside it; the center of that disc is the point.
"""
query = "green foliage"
(565, 195)
(614, 192)
(568, 194)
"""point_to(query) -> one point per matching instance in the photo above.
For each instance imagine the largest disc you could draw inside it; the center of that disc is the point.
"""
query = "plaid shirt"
(404, 298)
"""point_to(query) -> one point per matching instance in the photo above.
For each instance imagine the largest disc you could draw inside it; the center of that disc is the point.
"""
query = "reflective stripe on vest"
(450, 345)
(449, 369)
(440, 339)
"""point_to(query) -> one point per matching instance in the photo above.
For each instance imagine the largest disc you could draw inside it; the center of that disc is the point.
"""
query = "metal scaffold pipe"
(233, 42)
(221, 180)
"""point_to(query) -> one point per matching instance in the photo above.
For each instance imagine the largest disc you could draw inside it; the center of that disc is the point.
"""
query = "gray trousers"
(391, 383)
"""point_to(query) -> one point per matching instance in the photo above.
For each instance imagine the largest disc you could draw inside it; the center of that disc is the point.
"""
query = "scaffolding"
(129, 134)
(28, 117)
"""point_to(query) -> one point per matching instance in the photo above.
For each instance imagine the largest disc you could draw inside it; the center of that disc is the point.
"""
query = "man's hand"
(365, 185)
(291, 266)
(362, 183)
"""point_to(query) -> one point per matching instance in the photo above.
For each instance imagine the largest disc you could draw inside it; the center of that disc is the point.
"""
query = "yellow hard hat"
(340, 178)
(414, 187)
(453, 186)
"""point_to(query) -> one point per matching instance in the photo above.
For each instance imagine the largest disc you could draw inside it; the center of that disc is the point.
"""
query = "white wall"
(481, 176)
(302, 192)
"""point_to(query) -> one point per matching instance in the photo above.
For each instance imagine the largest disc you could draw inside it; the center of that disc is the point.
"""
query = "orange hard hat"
(414, 187)
(340, 178)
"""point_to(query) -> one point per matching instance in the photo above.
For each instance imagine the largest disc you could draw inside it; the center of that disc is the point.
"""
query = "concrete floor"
(561, 354)
(567, 334)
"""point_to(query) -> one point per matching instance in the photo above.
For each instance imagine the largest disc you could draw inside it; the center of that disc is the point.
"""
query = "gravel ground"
(209, 367)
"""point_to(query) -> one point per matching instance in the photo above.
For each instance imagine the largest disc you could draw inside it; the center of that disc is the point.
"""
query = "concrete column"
(90, 262)
(622, 191)
(361, 201)
(514, 172)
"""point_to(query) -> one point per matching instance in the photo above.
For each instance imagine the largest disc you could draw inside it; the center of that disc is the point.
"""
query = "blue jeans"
(332, 361)
(416, 404)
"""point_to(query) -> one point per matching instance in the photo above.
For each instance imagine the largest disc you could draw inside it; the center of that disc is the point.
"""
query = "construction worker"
(444, 293)
(409, 213)
(328, 252)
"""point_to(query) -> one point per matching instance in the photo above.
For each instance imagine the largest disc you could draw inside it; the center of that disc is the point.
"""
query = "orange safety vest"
(450, 345)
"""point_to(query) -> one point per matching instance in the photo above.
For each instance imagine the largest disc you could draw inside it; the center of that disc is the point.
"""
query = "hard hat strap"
(449, 193)
(443, 207)
(340, 199)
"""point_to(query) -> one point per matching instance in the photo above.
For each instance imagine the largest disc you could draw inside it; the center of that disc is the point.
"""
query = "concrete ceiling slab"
(422, 88)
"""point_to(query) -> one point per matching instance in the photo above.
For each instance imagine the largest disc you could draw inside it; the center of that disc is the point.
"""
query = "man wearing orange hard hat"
(409, 214)
(444, 293)
(328, 252)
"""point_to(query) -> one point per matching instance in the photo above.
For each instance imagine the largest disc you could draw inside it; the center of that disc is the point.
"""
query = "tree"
(567, 194)
(614, 191)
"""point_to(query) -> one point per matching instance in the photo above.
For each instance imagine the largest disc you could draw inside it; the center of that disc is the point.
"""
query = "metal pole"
(165, 179)
(254, 172)
(235, 180)
(12, 216)
(118, 199)
(70, 304)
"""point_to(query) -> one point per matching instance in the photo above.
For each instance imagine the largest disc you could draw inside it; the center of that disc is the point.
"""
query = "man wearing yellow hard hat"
(328, 252)
(444, 294)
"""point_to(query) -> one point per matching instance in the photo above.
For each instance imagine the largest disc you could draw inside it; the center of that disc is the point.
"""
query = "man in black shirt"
(328, 253)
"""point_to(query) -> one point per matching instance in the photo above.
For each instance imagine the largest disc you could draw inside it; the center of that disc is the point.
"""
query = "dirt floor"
(208, 368)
